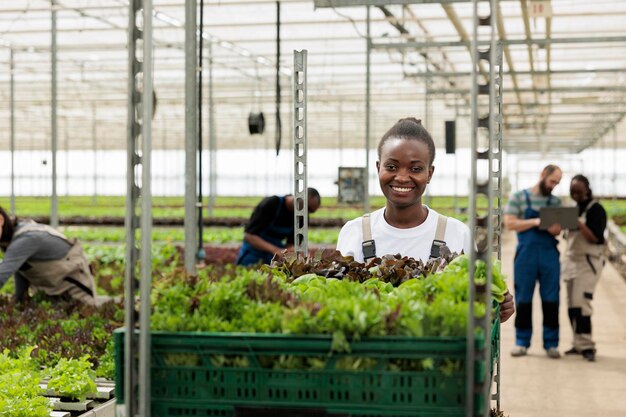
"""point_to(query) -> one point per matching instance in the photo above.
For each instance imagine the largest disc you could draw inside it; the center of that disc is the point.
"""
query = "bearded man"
(536, 260)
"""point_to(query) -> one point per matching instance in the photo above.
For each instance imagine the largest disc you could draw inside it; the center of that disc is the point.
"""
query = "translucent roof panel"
(564, 71)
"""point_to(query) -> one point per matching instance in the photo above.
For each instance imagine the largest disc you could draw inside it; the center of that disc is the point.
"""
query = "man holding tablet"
(536, 259)
(567, 217)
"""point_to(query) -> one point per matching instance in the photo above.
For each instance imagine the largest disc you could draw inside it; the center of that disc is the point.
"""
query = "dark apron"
(69, 276)
(248, 255)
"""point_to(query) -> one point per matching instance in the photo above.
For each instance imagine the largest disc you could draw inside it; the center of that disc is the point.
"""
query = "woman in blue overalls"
(536, 259)
(271, 228)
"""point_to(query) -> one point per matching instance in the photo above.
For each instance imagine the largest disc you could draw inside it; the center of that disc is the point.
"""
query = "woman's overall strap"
(369, 247)
(440, 235)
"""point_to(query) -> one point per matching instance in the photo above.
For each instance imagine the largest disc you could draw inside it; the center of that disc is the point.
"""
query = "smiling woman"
(405, 167)
(405, 226)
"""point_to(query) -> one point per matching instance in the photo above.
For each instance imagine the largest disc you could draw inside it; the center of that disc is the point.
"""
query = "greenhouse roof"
(564, 65)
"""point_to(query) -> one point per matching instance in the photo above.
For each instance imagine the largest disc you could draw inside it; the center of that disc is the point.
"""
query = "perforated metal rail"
(485, 182)
(301, 209)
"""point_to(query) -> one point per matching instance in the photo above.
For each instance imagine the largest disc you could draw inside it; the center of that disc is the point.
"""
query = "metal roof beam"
(551, 138)
(555, 123)
(568, 114)
(509, 60)
(458, 25)
(534, 41)
(582, 89)
(548, 48)
(606, 129)
(552, 72)
(402, 29)
(584, 105)
(353, 3)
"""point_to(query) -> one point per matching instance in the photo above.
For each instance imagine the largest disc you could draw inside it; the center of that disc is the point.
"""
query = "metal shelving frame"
(54, 199)
(486, 147)
(301, 201)
(191, 136)
(139, 149)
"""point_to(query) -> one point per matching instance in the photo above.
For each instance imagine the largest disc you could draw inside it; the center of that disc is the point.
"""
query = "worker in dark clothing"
(40, 257)
(271, 228)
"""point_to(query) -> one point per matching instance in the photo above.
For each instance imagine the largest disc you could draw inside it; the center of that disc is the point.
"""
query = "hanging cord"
(201, 254)
(257, 87)
(279, 124)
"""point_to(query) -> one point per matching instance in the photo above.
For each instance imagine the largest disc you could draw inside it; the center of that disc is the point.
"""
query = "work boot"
(553, 353)
(589, 354)
(519, 351)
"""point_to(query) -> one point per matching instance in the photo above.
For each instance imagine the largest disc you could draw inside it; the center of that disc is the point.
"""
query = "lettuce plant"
(73, 378)
(19, 386)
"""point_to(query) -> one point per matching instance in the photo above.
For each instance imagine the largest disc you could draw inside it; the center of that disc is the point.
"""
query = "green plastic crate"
(188, 378)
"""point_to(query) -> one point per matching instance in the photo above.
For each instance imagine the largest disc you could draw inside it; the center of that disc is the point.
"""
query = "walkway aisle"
(538, 386)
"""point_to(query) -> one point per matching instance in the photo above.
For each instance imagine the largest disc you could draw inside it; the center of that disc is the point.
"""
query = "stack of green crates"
(189, 377)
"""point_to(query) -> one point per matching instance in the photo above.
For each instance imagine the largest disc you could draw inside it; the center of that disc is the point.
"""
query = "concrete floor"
(538, 386)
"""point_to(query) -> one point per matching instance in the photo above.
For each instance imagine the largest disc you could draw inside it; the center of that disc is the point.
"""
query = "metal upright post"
(426, 118)
(54, 204)
(200, 252)
(163, 151)
(495, 171)
(495, 143)
(191, 133)
(301, 203)
(486, 124)
(340, 132)
(95, 156)
(146, 216)
(212, 138)
(456, 164)
(614, 178)
(12, 100)
(470, 350)
(67, 157)
(455, 201)
(368, 97)
(132, 220)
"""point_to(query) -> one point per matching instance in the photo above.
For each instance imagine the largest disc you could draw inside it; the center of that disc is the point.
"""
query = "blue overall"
(536, 259)
(248, 255)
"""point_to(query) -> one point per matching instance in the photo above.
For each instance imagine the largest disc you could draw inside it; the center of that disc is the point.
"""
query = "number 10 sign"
(539, 8)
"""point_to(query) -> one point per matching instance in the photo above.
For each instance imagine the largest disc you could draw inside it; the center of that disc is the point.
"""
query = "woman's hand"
(507, 307)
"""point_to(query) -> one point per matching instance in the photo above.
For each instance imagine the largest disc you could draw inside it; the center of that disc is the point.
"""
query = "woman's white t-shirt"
(414, 242)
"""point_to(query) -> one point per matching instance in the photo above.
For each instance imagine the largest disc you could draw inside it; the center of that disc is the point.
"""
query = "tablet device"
(567, 217)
